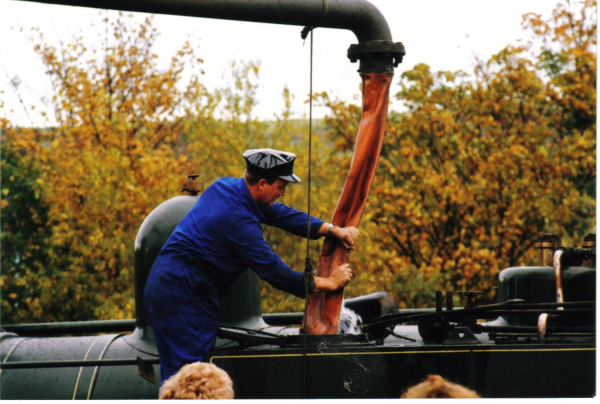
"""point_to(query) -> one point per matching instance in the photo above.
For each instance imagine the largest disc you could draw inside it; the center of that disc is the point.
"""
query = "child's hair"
(198, 381)
(436, 386)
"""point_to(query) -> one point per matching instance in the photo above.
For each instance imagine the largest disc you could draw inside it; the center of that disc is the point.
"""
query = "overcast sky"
(445, 34)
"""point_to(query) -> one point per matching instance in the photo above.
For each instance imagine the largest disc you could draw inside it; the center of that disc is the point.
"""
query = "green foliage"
(25, 230)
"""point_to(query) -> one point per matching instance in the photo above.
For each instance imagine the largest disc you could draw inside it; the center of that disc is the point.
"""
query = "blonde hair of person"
(198, 381)
(436, 386)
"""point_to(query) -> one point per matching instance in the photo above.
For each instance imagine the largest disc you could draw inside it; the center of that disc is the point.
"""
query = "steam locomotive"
(538, 340)
(529, 344)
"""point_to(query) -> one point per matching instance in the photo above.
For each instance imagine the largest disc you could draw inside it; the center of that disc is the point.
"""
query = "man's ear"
(261, 183)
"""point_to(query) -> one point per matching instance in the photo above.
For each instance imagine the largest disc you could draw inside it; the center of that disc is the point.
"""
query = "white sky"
(445, 34)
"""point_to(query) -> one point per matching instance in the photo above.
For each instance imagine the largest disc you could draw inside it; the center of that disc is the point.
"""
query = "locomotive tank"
(538, 284)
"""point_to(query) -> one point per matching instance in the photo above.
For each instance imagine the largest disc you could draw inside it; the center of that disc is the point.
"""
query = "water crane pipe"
(377, 52)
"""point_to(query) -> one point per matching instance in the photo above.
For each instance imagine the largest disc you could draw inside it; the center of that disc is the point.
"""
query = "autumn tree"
(481, 165)
(477, 168)
(120, 148)
(128, 133)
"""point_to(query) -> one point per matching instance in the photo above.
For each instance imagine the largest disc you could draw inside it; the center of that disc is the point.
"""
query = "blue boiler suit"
(218, 239)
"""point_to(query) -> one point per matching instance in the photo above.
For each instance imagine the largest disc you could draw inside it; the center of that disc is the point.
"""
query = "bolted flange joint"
(377, 56)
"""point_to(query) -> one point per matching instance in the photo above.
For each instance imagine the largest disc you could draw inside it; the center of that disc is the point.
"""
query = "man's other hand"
(340, 277)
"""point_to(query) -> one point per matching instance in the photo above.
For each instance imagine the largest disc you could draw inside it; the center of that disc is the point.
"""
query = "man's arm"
(294, 221)
(291, 220)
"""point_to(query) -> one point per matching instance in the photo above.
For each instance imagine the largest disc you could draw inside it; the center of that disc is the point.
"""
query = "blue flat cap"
(271, 163)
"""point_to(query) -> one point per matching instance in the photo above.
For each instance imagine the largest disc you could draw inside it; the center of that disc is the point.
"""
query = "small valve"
(192, 185)
(469, 296)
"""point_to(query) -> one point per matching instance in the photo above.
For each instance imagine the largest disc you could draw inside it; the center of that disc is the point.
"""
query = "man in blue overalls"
(218, 239)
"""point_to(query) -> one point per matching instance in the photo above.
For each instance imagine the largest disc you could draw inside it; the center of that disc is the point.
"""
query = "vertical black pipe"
(449, 302)
(438, 303)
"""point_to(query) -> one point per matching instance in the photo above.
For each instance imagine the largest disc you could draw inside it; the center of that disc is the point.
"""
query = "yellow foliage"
(488, 164)
(468, 178)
